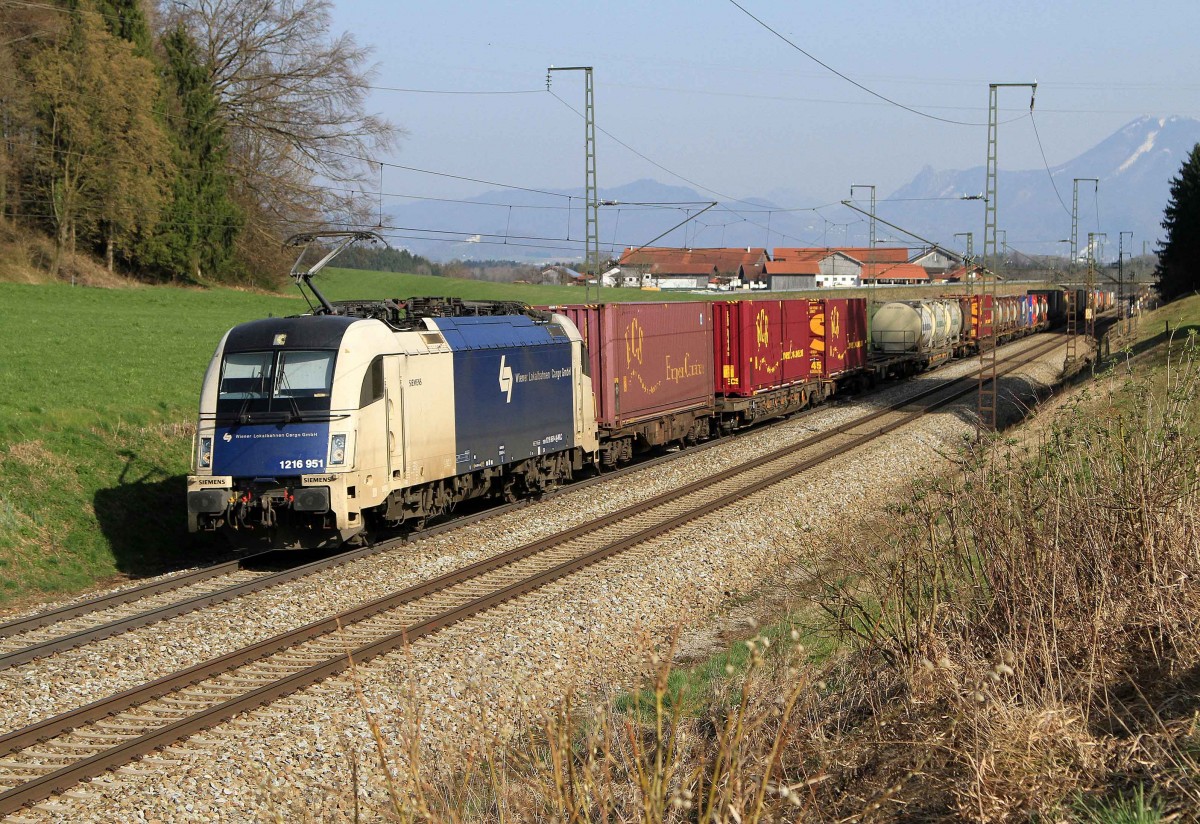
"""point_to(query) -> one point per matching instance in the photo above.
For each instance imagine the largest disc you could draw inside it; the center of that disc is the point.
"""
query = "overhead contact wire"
(1046, 163)
(848, 79)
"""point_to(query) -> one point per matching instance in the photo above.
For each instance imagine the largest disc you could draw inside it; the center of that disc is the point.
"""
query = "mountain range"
(1134, 166)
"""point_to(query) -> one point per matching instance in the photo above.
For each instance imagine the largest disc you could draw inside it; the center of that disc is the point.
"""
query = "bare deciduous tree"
(292, 95)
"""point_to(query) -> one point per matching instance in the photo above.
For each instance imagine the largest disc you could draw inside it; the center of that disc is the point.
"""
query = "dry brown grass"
(1018, 642)
(1039, 622)
(27, 257)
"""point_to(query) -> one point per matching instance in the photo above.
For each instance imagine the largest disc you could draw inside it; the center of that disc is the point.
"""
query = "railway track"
(55, 754)
(75, 625)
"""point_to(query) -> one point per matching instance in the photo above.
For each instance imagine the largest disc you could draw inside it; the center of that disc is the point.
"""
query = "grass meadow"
(97, 412)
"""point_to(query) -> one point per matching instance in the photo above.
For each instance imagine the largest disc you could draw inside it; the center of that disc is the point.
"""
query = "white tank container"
(916, 325)
(899, 327)
(956, 319)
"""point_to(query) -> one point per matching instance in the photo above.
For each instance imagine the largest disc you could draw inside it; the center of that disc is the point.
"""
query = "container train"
(370, 415)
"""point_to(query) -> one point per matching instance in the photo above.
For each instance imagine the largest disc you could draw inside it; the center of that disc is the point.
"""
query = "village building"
(701, 268)
(791, 276)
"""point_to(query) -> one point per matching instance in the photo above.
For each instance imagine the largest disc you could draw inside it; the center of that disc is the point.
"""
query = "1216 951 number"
(299, 463)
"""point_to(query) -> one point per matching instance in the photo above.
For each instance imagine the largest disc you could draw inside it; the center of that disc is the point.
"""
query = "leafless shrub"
(1049, 608)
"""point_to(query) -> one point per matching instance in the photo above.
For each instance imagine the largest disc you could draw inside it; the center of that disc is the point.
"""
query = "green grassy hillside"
(96, 421)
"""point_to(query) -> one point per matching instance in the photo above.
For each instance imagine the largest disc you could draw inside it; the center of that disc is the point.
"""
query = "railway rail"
(53, 755)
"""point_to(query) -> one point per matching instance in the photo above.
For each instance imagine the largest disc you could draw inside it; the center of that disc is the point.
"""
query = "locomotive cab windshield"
(254, 386)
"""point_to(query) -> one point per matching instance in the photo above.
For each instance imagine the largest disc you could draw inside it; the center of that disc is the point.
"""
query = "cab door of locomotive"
(397, 448)
(373, 462)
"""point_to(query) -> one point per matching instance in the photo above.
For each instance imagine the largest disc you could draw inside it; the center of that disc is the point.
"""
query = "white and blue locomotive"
(381, 414)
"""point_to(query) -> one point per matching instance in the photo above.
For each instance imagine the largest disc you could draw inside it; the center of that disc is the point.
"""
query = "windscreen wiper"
(287, 387)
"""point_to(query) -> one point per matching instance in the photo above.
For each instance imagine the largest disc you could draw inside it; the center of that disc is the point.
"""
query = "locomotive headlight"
(205, 457)
(337, 449)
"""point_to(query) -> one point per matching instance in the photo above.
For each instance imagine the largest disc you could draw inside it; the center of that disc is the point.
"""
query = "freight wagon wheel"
(510, 491)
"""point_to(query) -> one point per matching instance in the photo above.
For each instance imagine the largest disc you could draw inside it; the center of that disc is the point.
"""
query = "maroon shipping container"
(977, 312)
(856, 334)
(760, 345)
(647, 359)
(839, 335)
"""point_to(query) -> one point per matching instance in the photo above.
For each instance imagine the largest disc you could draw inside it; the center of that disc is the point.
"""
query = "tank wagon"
(917, 326)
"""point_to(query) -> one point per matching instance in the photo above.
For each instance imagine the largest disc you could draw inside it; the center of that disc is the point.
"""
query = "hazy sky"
(705, 91)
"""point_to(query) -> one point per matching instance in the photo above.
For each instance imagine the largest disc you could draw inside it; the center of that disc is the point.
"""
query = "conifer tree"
(1178, 271)
(196, 239)
(126, 19)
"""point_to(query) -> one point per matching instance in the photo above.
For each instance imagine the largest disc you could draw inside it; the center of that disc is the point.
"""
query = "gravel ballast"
(585, 635)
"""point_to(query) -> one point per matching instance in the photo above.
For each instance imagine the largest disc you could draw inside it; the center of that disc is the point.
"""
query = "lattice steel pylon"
(593, 204)
(1072, 327)
(1089, 300)
(592, 207)
(987, 348)
(988, 384)
(1075, 212)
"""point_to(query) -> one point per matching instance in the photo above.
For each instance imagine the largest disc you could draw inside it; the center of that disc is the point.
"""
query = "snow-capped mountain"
(1134, 166)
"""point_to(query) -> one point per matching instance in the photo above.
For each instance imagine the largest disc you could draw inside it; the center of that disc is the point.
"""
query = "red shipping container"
(760, 345)
(647, 359)
(978, 312)
(839, 335)
(856, 334)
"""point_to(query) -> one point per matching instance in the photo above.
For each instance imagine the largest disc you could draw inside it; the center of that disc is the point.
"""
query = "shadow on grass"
(144, 520)
(1148, 698)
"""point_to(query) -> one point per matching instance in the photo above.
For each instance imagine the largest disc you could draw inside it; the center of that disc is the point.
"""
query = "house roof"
(726, 260)
(797, 254)
(977, 272)
(894, 271)
(929, 253)
(880, 254)
(668, 269)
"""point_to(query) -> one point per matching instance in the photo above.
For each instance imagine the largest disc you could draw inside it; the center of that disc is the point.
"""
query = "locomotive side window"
(372, 387)
(304, 375)
(246, 376)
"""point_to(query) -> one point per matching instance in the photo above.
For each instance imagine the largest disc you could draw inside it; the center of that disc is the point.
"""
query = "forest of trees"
(181, 142)
(401, 260)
